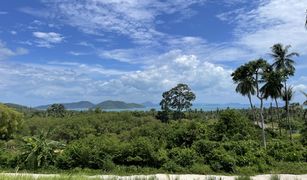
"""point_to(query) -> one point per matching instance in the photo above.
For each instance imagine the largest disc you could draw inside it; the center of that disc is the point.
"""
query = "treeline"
(224, 141)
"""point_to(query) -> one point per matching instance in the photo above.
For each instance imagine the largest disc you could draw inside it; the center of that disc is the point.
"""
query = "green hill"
(20, 108)
(73, 105)
(103, 105)
(118, 105)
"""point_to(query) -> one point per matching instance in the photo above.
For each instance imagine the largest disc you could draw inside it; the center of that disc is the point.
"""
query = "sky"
(56, 51)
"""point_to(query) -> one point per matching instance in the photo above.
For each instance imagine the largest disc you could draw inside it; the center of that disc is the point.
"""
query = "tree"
(259, 67)
(284, 64)
(255, 70)
(178, 99)
(232, 125)
(10, 121)
(305, 103)
(56, 110)
(273, 89)
(39, 152)
(245, 84)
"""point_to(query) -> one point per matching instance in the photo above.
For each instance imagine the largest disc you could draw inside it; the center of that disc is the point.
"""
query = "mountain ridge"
(109, 104)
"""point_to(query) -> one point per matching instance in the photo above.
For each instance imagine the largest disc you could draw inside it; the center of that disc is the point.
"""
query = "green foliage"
(39, 152)
(91, 152)
(286, 151)
(136, 142)
(185, 132)
(184, 157)
(10, 122)
(233, 126)
(177, 98)
(56, 110)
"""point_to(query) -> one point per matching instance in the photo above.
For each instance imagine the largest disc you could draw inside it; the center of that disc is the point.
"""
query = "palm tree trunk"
(262, 123)
(278, 119)
(271, 116)
(287, 109)
(252, 108)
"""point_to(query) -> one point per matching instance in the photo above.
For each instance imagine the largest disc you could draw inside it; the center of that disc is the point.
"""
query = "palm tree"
(245, 84)
(287, 95)
(273, 89)
(305, 111)
(259, 67)
(305, 103)
(284, 64)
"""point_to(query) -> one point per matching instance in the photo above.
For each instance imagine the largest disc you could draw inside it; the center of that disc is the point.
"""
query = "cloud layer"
(47, 39)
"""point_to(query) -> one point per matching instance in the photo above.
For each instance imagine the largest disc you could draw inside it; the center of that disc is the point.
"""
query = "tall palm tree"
(305, 111)
(273, 89)
(287, 95)
(259, 67)
(245, 84)
(305, 103)
(284, 64)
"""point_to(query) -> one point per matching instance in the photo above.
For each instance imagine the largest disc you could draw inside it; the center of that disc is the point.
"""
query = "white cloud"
(69, 81)
(6, 52)
(273, 21)
(3, 12)
(47, 39)
(75, 53)
(133, 18)
(13, 32)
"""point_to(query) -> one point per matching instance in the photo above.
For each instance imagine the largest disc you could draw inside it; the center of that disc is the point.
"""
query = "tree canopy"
(10, 121)
(177, 98)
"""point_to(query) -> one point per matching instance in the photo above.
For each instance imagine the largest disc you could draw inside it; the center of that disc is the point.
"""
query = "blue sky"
(133, 50)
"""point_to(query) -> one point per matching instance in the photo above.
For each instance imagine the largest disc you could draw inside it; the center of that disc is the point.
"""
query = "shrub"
(184, 157)
(221, 160)
(232, 125)
(286, 151)
(184, 133)
(91, 152)
(10, 122)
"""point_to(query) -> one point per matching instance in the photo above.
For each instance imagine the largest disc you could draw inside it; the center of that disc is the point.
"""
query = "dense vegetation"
(173, 140)
(224, 141)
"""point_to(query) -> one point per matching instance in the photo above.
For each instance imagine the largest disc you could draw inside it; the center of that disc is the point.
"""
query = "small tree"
(40, 152)
(178, 99)
(10, 121)
(56, 110)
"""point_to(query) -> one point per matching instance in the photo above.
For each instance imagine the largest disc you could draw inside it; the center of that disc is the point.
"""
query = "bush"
(221, 160)
(286, 151)
(184, 157)
(91, 152)
(183, 133)
(10, 122)
(232, 125)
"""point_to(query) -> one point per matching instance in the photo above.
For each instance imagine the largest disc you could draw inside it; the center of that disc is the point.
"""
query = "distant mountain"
(73, 105)
(149, 104)
(20, 108)
(103, 105)
(118, 105)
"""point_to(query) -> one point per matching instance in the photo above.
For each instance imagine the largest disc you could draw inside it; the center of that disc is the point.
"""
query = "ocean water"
(204, 107)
